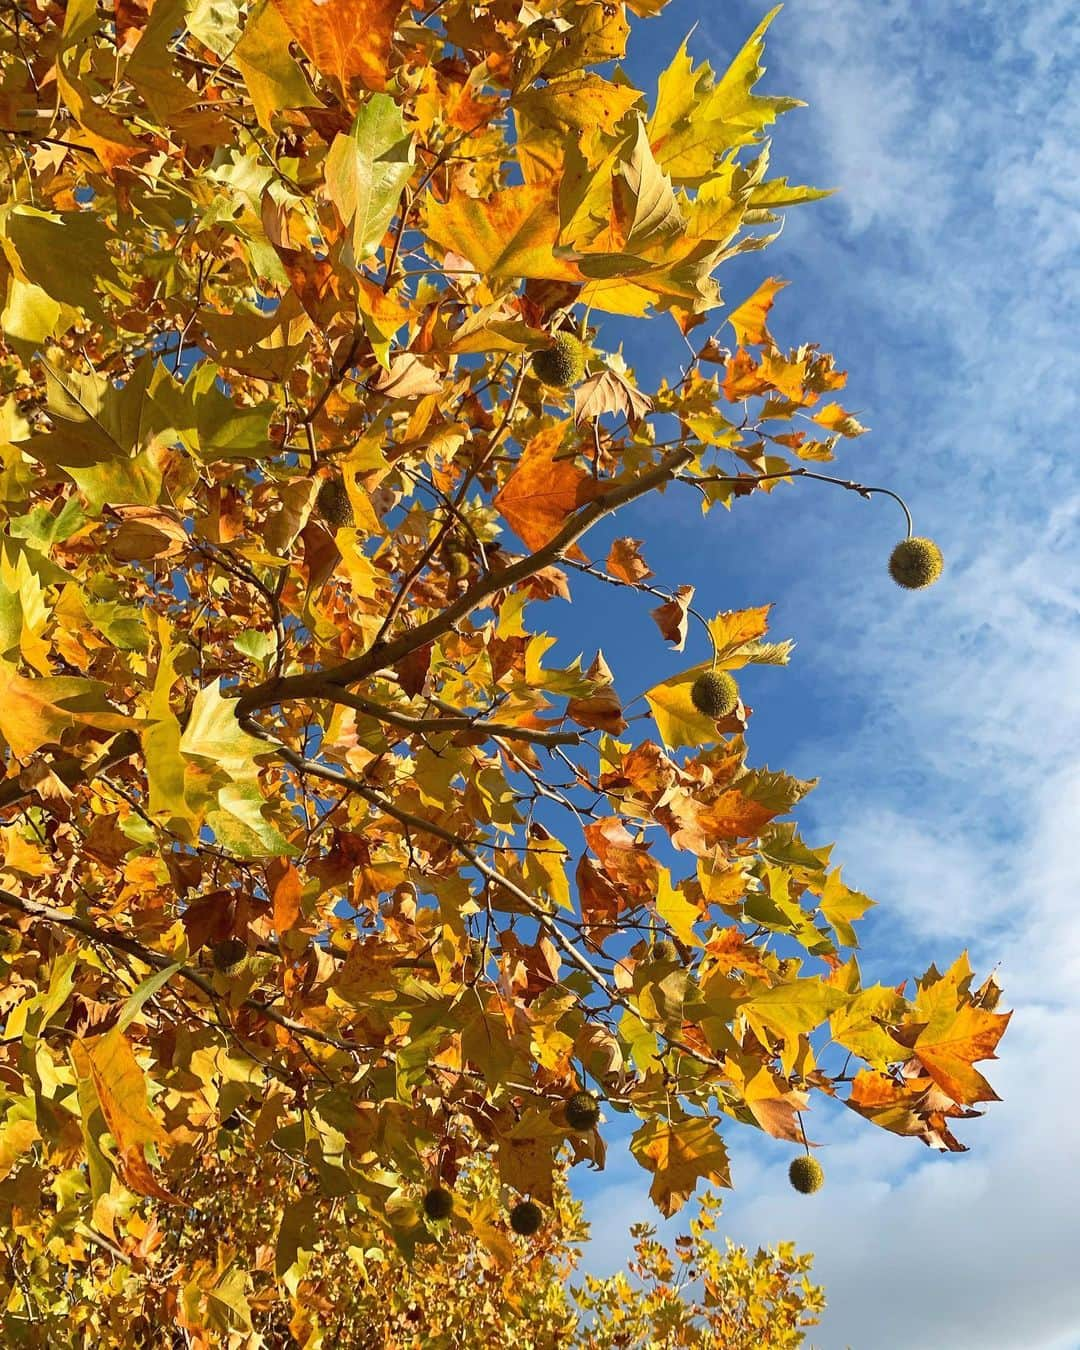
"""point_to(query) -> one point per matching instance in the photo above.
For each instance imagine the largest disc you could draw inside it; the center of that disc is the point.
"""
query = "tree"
(304, 836)
(260, 1252)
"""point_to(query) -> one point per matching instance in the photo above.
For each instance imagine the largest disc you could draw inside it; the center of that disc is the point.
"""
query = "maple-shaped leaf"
(645, 204)
(860, 1025)
(679, 913)
(348, 41)
(37, 712)
(545, 489)
(955, 1036)
(841, 907)
(834, 418)
(624, 560)
(509, 235)
(791, 1010)
(679, 722)
(679, 1154)
(696, 119)
(609, 392)
(272, 75)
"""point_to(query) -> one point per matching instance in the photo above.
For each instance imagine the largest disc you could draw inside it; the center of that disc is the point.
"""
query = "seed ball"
(806, 1175)
(525, 1218)
(915, 563)
(582, 1111)
(563, 363)
(438, 1203)
(665, 950)
(457, 563)
(229, 957)
(715, 694)
(333, 505)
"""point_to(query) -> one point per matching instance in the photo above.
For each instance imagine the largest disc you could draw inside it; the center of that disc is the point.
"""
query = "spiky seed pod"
(582, 1111)
(665, 950)
(457, 563)
(915, 563)
(805, 1174)
(563, 363)
(229, 957)
(438, 1203)
(333, 505)
(525, 1218)
(715, 694)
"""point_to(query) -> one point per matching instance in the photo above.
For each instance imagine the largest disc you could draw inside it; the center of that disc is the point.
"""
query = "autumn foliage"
(322, 883)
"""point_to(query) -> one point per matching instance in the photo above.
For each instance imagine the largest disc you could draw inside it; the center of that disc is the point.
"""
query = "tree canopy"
(322, 883)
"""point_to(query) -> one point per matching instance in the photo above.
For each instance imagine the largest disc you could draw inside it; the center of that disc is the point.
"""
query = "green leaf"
(147, 989)
(789, 1011)
(366, 170)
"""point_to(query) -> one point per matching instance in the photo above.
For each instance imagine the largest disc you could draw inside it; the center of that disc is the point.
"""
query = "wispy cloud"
(946, 726)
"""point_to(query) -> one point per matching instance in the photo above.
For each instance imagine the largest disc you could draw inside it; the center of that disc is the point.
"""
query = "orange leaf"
(951, 1042)
(286, 893)
(672, 616)
(347, 40)
(625, 561)
(834, 418)
(743, 379)
(121, 1088)
(543, 491)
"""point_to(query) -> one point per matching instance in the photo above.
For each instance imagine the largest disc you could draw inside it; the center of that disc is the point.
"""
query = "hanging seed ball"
(457, 563)
(563, 363)
(229, 957)
(915, 563)
(438, 1203)
(525, 1218)
(333, 505)
(582, 1111)
(806, 1175)
(715, 694)
(665, 950)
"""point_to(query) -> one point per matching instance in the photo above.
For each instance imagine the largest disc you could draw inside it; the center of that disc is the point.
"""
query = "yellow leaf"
(749, 319)
(791, 1010)
(953, 1039)
(677, 912)
(679, 1154)
(15, 1140)
(679, 722)
(37, 712)
(507, 236)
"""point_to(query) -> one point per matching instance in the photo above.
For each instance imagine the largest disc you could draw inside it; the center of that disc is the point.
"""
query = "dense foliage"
(322, 885)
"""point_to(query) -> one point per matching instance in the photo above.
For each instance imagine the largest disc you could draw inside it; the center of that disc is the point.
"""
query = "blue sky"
(944, 726)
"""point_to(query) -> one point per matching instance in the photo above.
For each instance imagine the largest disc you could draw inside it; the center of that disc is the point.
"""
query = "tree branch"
(109, 937)
(498, 730)
(386, 654)
(72, 771)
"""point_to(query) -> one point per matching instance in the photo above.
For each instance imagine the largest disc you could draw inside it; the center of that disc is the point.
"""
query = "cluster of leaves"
(262, 1254)
(248, 250)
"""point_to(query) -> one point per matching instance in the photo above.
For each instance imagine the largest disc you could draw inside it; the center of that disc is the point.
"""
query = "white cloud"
(953, 785)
